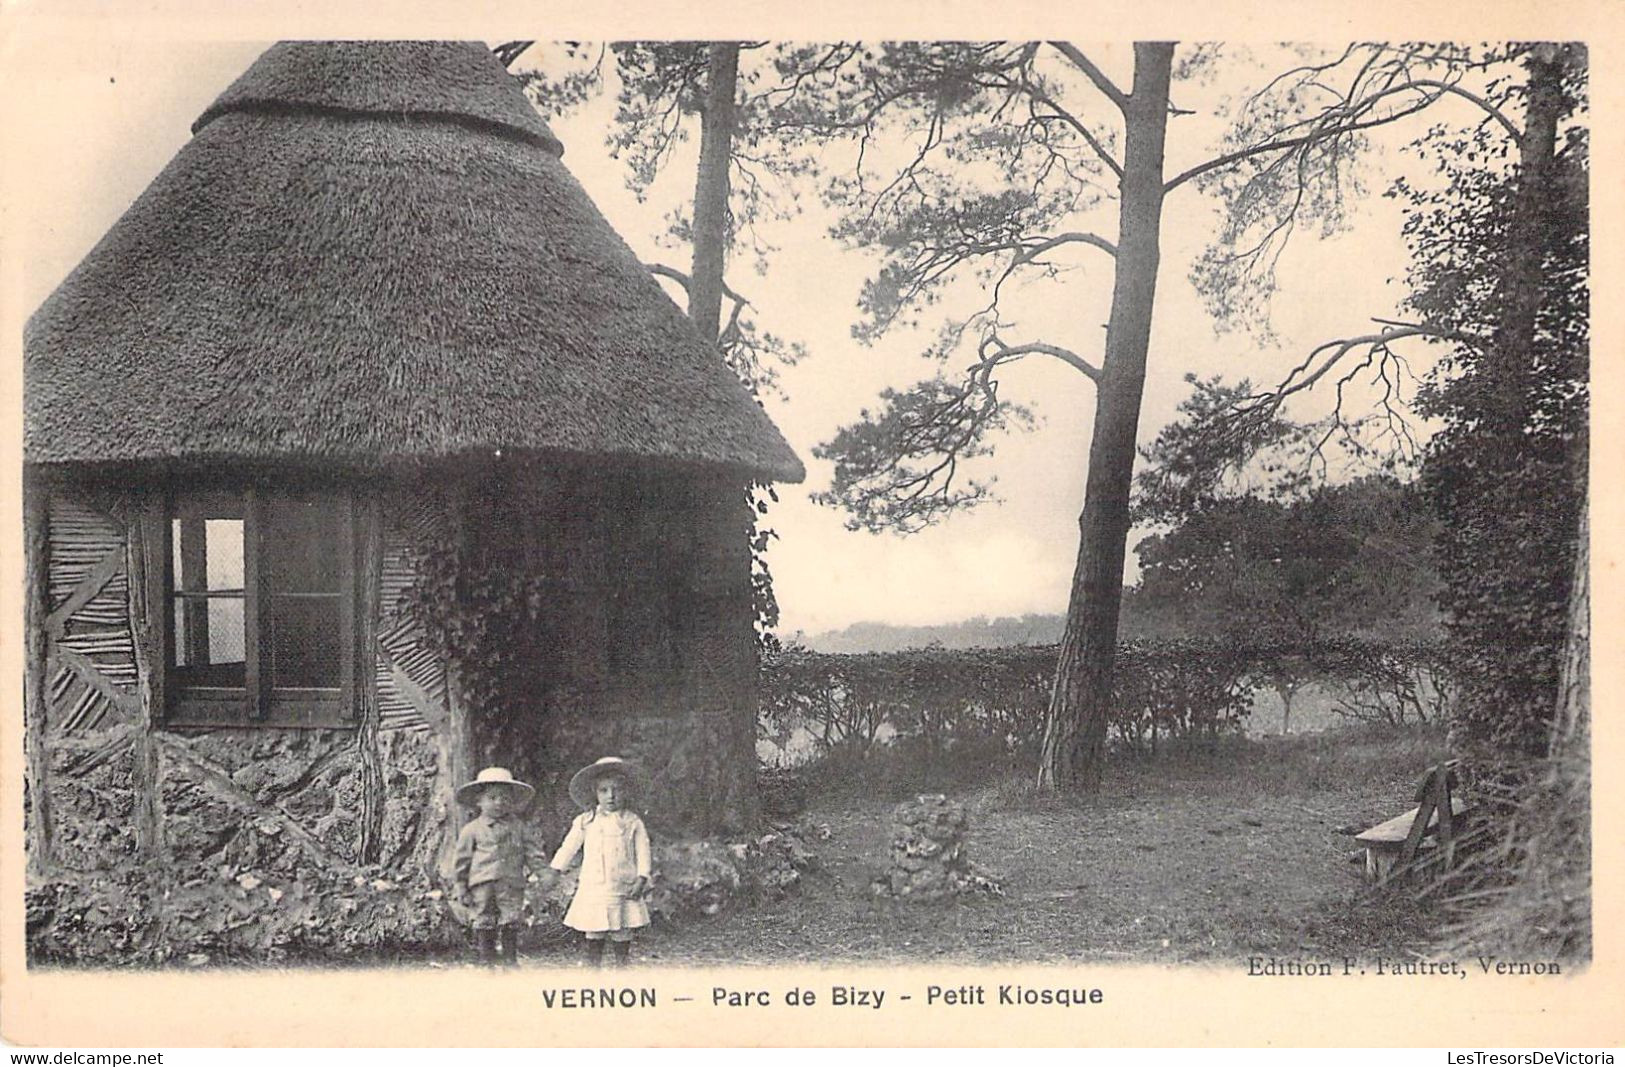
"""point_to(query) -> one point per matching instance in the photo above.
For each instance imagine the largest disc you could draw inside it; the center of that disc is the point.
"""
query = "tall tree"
(1075, 729)
(1507, 265)
(1002, 162)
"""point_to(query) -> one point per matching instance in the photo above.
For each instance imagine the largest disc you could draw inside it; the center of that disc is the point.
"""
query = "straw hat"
(584, 783)
(493, 776)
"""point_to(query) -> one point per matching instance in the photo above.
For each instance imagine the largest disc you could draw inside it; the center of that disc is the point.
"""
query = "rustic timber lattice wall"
(213, 786)
(223, 823)
(90, 688)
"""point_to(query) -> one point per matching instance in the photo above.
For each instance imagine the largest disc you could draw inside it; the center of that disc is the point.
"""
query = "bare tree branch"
(1004, 353)
(683, 279)
(1494, 112)
(1307, 373)
(1096, 75)
(1058, 112)
(1048, 243)
(1305, 69)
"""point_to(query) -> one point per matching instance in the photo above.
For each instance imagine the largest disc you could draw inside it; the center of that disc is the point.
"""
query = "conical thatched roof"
(371, 251)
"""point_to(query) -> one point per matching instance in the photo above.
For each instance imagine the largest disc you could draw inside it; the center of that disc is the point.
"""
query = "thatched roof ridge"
(423, 79)
(317, 286)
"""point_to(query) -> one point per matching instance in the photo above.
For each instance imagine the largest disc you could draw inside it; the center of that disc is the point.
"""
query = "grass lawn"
(1212, 855)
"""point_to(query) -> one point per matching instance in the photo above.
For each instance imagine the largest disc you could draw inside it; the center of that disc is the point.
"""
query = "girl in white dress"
(615, 866)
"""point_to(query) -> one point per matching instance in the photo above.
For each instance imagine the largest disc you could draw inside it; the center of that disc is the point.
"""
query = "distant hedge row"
(940, 698)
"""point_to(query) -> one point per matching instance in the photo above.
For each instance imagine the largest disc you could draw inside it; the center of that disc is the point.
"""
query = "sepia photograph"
(688, 530)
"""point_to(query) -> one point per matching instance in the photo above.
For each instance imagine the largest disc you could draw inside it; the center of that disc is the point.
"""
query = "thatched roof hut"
(361, 453)
(371, 251)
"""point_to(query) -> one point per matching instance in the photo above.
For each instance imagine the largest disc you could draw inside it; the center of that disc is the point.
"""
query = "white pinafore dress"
(614, 849)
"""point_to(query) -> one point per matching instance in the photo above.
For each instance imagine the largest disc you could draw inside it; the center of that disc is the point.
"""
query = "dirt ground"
(1207, 856)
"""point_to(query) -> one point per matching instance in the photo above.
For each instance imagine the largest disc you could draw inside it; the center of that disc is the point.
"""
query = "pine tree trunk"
(1075, 727)
(730, 753)
(711, 190)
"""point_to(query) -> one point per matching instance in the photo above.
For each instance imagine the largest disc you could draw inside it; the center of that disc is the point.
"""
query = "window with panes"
(260, 609)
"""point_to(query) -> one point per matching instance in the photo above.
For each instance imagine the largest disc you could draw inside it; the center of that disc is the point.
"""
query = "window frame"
(258, 703)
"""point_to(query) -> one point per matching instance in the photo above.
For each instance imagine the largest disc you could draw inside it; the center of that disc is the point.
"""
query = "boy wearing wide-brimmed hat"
(615, 862)
(493, 851)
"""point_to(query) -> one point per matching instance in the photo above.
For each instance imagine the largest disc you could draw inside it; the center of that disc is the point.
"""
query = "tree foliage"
(1507, 470)
(1343, 559)
(1253, 546)
(925, 434)
(1008, 158)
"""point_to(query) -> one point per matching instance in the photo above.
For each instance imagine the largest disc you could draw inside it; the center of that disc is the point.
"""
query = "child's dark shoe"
(510, 946)
(485, 943)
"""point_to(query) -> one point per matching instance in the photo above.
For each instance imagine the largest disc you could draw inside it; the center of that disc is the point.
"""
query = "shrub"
(935, 719)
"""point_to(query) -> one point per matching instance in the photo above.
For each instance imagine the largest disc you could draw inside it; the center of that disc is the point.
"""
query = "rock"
(928, 860)
(693, 877)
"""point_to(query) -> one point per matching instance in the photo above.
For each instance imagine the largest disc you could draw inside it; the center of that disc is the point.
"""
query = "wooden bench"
(1437, 820)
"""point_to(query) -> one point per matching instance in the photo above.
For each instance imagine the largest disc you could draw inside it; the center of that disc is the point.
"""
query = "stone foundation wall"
(92, 798)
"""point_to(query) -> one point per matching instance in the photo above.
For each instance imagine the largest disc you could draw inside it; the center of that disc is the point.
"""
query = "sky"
(116, 115)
